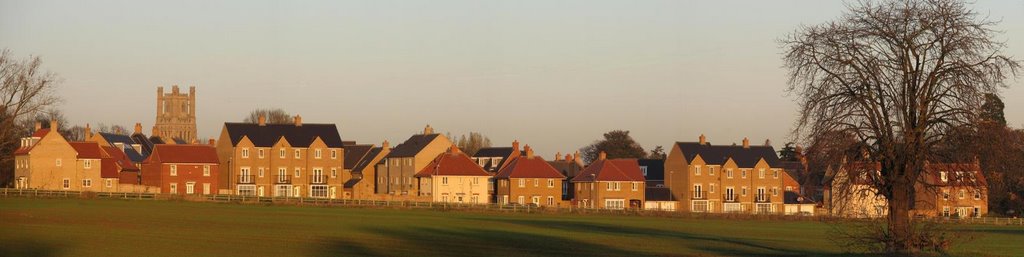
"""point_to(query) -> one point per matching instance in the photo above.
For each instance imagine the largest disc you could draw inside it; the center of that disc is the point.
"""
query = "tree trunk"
(900, 226)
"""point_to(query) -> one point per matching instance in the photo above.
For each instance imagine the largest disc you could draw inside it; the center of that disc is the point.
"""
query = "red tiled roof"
(183, 154)
(958, 174)
(452, 164)
(611, 170)
(87, 150)
(40, 134)
(526, 167)
(120, 158)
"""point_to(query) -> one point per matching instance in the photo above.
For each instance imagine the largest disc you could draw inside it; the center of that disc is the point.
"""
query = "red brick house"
(182, 169)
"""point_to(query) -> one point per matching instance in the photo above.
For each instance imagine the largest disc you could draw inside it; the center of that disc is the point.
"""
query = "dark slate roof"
(156, 140)
(116, 138)
(657, 194)
(355, 153)
(412, 146)
(794, 169)
(147, 146)
(298, 136)
(794, 198)
(491, 152)
(127, 148)
(369, 158)
(352, 182)
(180, 141)
(719, 154)
(655, 168)
(566, 167)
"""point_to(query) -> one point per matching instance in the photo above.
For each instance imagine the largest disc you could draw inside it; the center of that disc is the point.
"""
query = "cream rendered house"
(453, 177)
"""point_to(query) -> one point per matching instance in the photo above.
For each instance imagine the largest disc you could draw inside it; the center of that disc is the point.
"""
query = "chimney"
(428, 130)
(767, 142)
(385, 145)
(576, 156)
(262, 120)
(53, 125)
(138, 128)
(39, 126)
(558, 156)
(515, 146)
(156, 132)
(602, 156)
(455, 149)
(703, 140)
(213, 142)
(88, 132)
(746, 143)
(298, 120)
(529, 152)
(568, 157)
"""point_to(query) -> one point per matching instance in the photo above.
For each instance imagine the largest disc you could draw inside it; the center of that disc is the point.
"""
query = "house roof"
(40, 134)
(298, 136)
(655, 168)
(527, 167)
(957, 174)
(452, 164)
(184, 154)
(744, 157)
(794, 198)
(120, 158)
(566, 167)
(506, 153)
(368, 160)
(611, 170)
(657, 194)
(87, 150)
(147, 145)
(355, 153)
(413, 145)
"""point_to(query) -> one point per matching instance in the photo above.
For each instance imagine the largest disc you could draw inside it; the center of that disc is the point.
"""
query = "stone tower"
(176, 114)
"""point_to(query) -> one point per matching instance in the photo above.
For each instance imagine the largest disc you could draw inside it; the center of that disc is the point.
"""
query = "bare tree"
(473, 143)
(896, 75)
(273, 115)
(25, 90)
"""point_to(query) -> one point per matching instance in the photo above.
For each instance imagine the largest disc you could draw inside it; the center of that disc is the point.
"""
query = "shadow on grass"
(699, 243)
(25, 247)
(421, 241)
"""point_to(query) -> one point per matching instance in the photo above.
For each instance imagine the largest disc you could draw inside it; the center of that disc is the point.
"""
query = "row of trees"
(25, 92)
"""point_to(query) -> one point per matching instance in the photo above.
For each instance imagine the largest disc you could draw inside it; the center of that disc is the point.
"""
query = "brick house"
(182, 169)
(396, 172)
(944, 189)
(492, 159)
(725, 178)
(453, 177)
(610, 184)
(360, 169)
(529, 179)
(570, 166)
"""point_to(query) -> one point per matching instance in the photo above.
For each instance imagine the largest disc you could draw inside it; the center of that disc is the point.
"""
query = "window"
(760, 194)
(206, 170)
(699, 206)
(260, 153)
(536, 182)
(961, 195)
(616, 204)
(245, 153)
(943, 176)
(743, 173)
(59, 162)
(108, 182)
(711, 170)
(297, 192)
(977, 194)
(636, 186)
(244, 175)
(696, 170)
(281, 153)
(608, 186)
(551, 200)
(698, 191)
(728, 173)
(334, 154)
(318, 191)
(67, 183)
(775, 191)
(334, 172)
(522, 182)
(730, 194)
(190, 188)
(87, 183)
(476, 181)
(551, 183)
(475, 198)
(945, 195)
(298, 154)
(87, 164)
(711, 188)
(247, 190)
(260, 173)
(174, 170)
(317, 153)
(644, 170)
(206, 188)
(444, 180)
(522, 200)
(945, 211)
(743, 191)
(174, 188)
(298, 172)
(760, 173)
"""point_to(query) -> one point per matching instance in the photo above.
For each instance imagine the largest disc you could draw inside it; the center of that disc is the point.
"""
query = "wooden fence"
(32, 193)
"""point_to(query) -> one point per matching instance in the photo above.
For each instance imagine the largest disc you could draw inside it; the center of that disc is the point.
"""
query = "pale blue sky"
(553, 74)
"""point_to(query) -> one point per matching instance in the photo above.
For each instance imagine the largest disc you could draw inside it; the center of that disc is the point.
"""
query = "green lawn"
(74, 227)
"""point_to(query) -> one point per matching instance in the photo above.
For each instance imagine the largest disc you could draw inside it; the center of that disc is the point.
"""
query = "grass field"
(76, 227)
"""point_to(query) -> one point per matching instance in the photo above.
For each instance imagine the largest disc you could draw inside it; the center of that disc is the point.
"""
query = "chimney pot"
(602, 156)
(428, 130)
(558, 156)
(213, 142)
(262, 120)
(529, 152)
(515, 145)
(746, 143)
(385, 145)
(298, 120)
(138, 128)
(568, 157)
(767, 142)
(88, 132)
(703, 139)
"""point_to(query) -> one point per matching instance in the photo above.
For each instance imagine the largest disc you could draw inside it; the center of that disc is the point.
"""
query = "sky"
(552, 74)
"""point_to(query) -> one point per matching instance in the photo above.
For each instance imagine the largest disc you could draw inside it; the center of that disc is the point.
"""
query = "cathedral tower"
(176, 113)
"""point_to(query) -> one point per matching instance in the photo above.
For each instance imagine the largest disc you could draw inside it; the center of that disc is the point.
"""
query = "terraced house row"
(298, 159)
